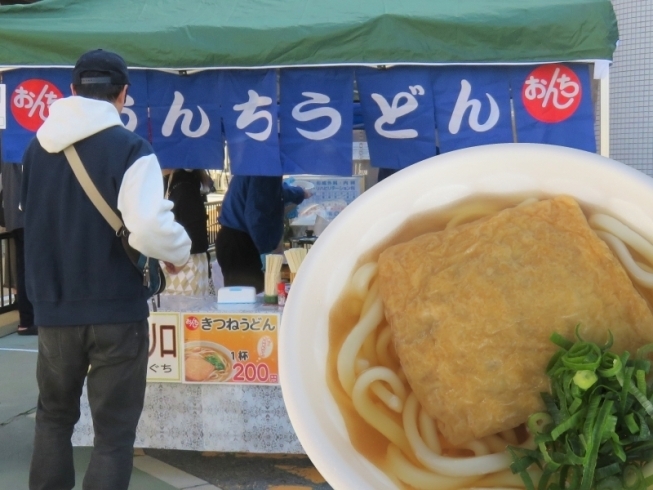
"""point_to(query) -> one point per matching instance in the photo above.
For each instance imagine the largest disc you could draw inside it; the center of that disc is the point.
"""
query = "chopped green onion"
(519, 467)
(641, 381)
(544, 480)
(551, 407)
(575, 405)
(644, 431)
(610, 365)
(617, 448)
(566, 425)
(631, 423)
(610, 470)
(648, 406)
(643, 351)
(538, 422)
(584, 379)
(632, 477)
(611, 483)
(648, 481)
(582, 355)
(593, 449)
(595, 433)
(609, 342)
(642, 364)
(560, 341)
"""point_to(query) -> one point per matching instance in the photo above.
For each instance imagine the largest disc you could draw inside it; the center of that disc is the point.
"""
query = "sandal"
(32, 330)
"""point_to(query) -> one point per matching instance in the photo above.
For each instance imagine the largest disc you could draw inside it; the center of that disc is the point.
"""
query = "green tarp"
(257, 33)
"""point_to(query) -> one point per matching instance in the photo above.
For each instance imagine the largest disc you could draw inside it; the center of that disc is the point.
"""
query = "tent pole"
(604, 124)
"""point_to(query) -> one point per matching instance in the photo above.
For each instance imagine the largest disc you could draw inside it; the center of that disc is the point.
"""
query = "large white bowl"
(434, 183)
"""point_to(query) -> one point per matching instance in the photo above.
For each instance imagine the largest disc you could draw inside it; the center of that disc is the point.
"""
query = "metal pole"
(604, 125)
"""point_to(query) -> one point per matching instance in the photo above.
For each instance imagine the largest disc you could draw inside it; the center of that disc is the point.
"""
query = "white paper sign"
(361, 150)
(3, 106)
(164, 363)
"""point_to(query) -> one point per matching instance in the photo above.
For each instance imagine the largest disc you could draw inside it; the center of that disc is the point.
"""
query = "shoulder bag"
(149, 268)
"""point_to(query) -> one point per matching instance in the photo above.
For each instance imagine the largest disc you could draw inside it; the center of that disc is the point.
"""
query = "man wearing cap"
(89, 301)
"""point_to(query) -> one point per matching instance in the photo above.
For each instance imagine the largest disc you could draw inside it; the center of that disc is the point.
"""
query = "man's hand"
(171, 268)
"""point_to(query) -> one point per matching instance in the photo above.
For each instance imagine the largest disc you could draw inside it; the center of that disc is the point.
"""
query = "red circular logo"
(31, 101)
(192, 323)
(551, 93)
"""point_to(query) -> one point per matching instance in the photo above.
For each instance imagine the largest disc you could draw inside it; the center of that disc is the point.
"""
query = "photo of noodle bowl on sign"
(207, 361)
(481, 319)
(230, 348)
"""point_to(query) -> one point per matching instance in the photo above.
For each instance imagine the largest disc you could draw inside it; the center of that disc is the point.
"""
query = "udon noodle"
(369, 385)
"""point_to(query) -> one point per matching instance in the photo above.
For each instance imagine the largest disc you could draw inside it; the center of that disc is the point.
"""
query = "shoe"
(32, 330)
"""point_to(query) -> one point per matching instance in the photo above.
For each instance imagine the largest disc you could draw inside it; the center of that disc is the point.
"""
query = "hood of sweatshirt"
(73, 119)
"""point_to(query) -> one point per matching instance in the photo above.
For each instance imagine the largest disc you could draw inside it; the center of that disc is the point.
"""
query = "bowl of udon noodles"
(207, 362)
(368, 392)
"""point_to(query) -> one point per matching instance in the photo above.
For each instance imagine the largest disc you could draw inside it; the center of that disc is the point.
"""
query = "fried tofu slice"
(472, 308)
(197, 369)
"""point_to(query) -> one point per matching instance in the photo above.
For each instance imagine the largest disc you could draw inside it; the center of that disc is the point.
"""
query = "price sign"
(236, 348)
(164, 362)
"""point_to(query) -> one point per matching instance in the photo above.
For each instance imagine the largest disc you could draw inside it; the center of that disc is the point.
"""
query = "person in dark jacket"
(384, 173)
(187, 189)
(12, 176)
(251, 225)
(89, 301)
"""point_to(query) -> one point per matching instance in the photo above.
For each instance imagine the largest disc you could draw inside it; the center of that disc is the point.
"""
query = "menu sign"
(237, 348)
(164, 362)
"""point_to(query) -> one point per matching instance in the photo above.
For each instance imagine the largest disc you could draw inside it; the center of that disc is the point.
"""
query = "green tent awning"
(259, 33)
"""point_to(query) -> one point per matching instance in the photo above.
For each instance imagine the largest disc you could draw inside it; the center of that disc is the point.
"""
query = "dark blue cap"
(111, 65)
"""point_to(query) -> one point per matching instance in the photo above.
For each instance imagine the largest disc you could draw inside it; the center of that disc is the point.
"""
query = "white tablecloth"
(206, 417)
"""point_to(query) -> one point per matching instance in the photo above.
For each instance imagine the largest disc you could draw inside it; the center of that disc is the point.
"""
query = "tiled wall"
(631, 86)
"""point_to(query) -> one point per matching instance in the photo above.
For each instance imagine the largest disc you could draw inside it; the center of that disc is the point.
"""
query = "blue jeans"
(117, 355)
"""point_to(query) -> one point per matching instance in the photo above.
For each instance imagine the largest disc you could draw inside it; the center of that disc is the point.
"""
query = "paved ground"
(155, 469)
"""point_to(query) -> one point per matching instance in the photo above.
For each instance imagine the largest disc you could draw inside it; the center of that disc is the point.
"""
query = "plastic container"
(281, 293)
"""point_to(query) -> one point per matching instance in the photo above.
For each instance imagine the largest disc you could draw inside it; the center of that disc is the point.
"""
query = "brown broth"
(344, 316)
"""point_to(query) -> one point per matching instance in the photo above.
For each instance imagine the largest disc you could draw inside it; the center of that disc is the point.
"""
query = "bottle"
(281, 293)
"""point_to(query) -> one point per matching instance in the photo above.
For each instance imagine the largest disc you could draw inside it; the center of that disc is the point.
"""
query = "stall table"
(207, 417)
